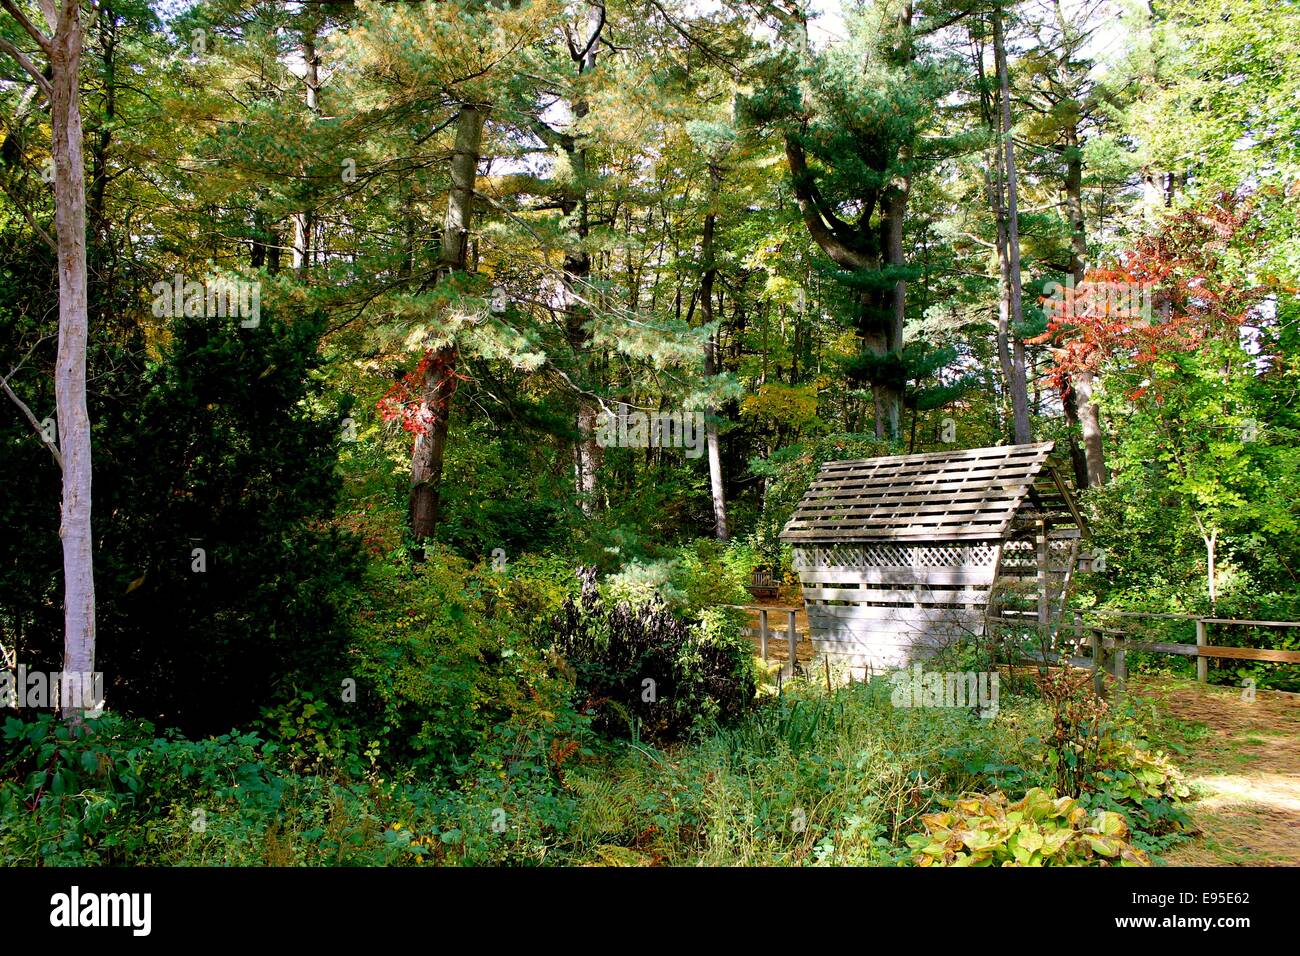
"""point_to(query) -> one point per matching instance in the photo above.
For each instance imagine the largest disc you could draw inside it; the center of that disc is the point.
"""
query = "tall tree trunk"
(304, 221)
(70, 368)
(865, 247)
(892, 394)
(1084, 410)
(438, 381)
(1015, 306)
(1090, 424)
(707, 279)
(587, 453)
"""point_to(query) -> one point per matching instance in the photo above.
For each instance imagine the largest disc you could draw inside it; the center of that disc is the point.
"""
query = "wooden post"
(793, 637)
(1043, 578)
(1121, 671)
(827, 660)
(1098, 659)
(1202, 663)
(762, 631)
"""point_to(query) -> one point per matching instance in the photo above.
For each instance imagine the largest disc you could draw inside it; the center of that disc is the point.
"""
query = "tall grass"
(810, 778)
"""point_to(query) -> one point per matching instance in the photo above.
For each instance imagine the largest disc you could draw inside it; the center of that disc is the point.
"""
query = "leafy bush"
(441, 661)
(644, 669)
(221, 576)
(1078, 715)
(1040, 829)
(697, 576)
(1141, 783)
(118, 794)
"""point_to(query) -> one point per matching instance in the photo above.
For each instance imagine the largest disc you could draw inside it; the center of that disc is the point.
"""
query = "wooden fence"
(765, 633)
(1108, 647)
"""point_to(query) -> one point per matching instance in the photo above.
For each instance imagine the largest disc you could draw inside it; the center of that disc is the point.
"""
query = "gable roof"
(937, 496)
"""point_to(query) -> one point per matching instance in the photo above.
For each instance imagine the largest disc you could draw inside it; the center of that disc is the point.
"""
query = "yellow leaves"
(791, 405)
(938, 821)
(621, 856)
(1031, 840)
(430, 46)
(1040, 829)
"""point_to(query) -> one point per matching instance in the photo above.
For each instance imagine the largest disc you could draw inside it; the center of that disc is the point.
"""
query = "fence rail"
(764, 631)
(1106, 642)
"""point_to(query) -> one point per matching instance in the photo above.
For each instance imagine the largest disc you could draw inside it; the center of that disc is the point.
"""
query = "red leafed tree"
(405, 400)
(1170, 292)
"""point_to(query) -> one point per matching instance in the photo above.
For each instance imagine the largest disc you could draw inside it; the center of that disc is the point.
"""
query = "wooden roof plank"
(936, 495)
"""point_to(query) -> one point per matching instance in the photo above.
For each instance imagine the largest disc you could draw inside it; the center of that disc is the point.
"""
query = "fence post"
(1098, 659)
(1121, 670)
(762, 631)
(793, 637)
(1042, 549)
(1202, 663)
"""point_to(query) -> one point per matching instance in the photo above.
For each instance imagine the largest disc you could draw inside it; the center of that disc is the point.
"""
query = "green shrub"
(699, 575)
(1144, 785)
(119, 795)
(643, 669)
(442, 660)
(1040, 829)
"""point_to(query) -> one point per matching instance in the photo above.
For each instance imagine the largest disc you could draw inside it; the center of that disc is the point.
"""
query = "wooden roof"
(938, 496)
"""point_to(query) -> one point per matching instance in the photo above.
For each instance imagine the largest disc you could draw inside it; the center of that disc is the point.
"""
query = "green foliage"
(699, 575)
(444, 658)
(119, 795)
(644, 670)
(231, 451)
(1040, 829)
(1144, 785)
(1073, 746)
(806, 779)
(789, 472)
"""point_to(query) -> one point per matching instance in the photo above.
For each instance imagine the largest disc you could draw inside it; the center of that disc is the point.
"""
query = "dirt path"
(1243, 758)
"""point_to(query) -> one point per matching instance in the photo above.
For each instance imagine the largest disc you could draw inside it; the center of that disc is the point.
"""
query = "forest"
(411, 409)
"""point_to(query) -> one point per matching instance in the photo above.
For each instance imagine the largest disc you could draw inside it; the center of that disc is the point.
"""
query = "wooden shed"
(901, 555)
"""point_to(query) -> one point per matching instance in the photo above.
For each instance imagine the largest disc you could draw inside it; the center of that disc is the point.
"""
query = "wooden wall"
(887, 604)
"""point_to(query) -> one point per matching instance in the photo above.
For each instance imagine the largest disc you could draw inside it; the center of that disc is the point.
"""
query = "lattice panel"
(896, 556)
(1020, 557)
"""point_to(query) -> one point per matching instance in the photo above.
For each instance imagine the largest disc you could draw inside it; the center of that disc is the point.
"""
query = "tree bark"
(861, 246)
(587, 453)
(64, 51)
(304, 221)
(707, 279)
(1090, 425)
(1015, 305)
(438, 381)
(1085, 410)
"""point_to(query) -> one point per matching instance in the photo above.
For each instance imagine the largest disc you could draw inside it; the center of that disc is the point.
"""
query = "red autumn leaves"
(1170, 292)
